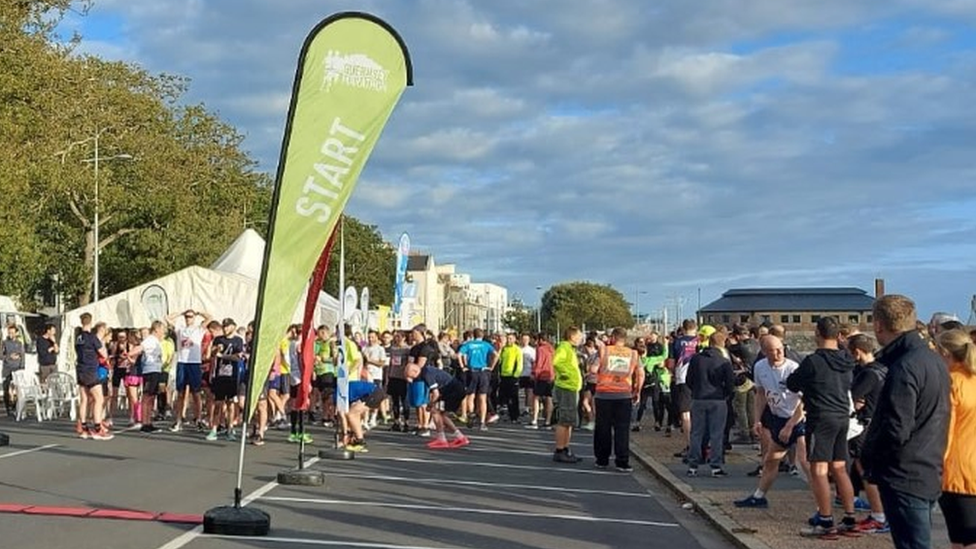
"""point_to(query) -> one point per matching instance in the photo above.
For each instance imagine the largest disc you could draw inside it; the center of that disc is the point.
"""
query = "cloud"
(666, 146)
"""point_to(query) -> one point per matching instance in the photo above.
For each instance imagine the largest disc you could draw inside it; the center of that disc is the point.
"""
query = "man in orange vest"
(618, 386)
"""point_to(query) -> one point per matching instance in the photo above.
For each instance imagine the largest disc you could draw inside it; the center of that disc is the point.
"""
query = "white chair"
(62, 394)
(29, 390)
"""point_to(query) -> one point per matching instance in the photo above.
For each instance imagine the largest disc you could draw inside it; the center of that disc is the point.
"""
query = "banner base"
(4, 439)
(301, 477)
(337, 454)
(236, 521)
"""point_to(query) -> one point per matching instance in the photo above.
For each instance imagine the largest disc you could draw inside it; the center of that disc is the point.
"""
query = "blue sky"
(708, 145)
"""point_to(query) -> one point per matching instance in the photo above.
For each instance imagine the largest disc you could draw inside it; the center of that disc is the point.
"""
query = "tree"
(520, 319)
(585, 304)
(370, 262)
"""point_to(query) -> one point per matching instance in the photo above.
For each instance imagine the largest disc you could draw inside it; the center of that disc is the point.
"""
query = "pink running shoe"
(460, 442)
(438, 444)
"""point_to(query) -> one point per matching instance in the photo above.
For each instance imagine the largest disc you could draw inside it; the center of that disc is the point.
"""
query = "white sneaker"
(533, 425)
(176, 428)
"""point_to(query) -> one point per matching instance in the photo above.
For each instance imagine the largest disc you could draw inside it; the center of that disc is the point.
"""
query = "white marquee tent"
(228, 289)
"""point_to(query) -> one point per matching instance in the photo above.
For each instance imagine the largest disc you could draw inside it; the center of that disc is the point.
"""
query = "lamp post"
(538, 311)
(95, 160)
(637, 294)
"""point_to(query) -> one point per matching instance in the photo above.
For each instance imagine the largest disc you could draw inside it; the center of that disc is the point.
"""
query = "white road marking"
(520, 514)
(187, 537)
(28, 451)
(477, 448)
(552, 469)
(490, 485)
(308, 541)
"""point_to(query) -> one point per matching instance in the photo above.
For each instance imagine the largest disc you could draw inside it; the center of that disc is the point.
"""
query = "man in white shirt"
(151, 349)
(781, 411)
(189, 363)
(525, 379)
(374, 354)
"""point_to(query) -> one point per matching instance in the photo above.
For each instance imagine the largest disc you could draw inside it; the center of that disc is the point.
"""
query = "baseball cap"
(228, 322)
(706, 330)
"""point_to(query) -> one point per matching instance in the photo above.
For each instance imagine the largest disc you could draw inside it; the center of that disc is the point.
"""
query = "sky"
(669, 148)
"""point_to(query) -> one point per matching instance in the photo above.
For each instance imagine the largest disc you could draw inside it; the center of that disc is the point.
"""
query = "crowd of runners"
(893, 423)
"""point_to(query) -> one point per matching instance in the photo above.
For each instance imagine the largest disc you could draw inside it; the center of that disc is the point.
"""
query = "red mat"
(59, 511)
(88, 512)
(122, 514)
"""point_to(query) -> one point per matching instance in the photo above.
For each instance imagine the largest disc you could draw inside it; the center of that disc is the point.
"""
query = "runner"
(363, 397)
(89, 349)
(227, 351)
(424, 351)
(325, 373)
(151, 358)
(569, 381)
(525, 380)
(509, 371)
(479, 358)
(542, 376)
(374, 355)
(189, 359)
(397, 382)
(446, 394)
(618, 386)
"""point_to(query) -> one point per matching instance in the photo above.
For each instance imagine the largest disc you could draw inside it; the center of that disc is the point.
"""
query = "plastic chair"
(62, 393)
(29, 390)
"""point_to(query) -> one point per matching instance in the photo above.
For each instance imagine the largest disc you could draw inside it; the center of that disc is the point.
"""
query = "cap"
(706, 331)
(228, 322)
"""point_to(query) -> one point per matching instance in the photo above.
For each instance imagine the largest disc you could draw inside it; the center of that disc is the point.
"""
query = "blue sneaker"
(860, 504)
(752, 502)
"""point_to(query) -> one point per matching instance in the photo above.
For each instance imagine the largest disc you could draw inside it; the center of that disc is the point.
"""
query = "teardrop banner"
(351, 73)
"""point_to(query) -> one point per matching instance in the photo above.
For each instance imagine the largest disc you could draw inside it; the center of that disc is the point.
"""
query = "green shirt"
(510, 361)
(566, 365)
(324, 361)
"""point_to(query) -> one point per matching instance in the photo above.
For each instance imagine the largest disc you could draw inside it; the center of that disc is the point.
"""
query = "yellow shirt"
(284, 348)
(959, 475)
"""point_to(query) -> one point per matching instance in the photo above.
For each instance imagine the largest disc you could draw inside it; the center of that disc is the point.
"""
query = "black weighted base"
(236, 521)
(301, 477)
(337, 454)
(4, 439)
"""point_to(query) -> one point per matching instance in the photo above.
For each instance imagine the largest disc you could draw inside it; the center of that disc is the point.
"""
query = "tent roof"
(244, 256)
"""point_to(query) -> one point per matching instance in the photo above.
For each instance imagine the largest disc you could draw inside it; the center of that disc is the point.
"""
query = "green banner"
(351, 72)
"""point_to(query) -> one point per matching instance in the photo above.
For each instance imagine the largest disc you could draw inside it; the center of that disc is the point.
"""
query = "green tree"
(370, 262)
(520, 319)
(585, 304)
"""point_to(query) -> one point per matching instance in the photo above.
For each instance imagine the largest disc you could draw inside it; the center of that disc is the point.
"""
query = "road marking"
(308, 541)
(187, 537)
(28, 451)
(466, 448)
(553, 469)
(491, 485)
(520, 514)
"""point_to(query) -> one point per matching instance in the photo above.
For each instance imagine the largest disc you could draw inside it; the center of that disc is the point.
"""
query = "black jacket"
(906, 440)
(824, 377)
(710, 375)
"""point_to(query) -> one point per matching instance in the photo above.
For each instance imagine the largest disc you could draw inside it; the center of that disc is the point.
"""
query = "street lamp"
(98, 249)
(637, 294)
(538, 311)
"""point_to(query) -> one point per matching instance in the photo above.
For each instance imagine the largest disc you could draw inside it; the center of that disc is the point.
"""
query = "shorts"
(150, 383)
(774, 424)
(325, 382)
(451, 396)
(118, 374)
(827, 439)
(224, 388)
(164, 379)
(281, 383)
(479, 382)
(189, 374)
(293, 390)
(87, 377)
(396, 387)
(543, 389)
(133, 380)
(567, 405)
(856, 445)
(682, 398)
(417, 394)
(526, 383)
(960, 517)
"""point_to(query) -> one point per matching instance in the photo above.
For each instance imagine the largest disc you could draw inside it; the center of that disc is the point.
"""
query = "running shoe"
(692, 472)
(231, 436)
(294, 438)
(860, 504)
(306, 438)
(534, 426)
(357, 446)
(425, 433)
(176, 428)
(134, 426)
(752, 502)
(635, 428)
(718, 472)
(483, 427)
(460, 441)
(589, 426)
(625, 468)
(439, 444)
(601, 465)
(257, 440)
(149, 429)
(493, 418)
(102, 434)
(212, 435)
(564, 457)
(871, 526)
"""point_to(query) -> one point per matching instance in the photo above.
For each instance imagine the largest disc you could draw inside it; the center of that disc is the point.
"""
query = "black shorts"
(479, 383)
(827, 439)
(325, 382)
(526, 383)
(396, 387)
(150, 383)
(293, 390)
(164, 378)
(224, 388)
(856, 445)
(960, 517)
(118, 374)
(87, 377)
(682, 398)
(543, 389)
(774, 424)
(451, 396)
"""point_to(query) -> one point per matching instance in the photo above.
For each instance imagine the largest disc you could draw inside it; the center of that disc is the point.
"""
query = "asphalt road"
(502, 491)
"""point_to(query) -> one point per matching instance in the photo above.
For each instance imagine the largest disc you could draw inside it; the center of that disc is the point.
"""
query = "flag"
(307, 355)
(351, 72)
(403, 251)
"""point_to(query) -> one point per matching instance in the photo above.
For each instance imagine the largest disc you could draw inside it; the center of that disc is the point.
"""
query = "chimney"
(879, 289)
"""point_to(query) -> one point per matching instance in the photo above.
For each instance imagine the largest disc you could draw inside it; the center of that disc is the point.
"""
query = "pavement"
(790, 500)
(501, 491)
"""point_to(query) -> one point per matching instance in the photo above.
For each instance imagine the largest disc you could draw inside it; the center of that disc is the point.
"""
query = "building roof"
(791, 300)
(418, 262)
